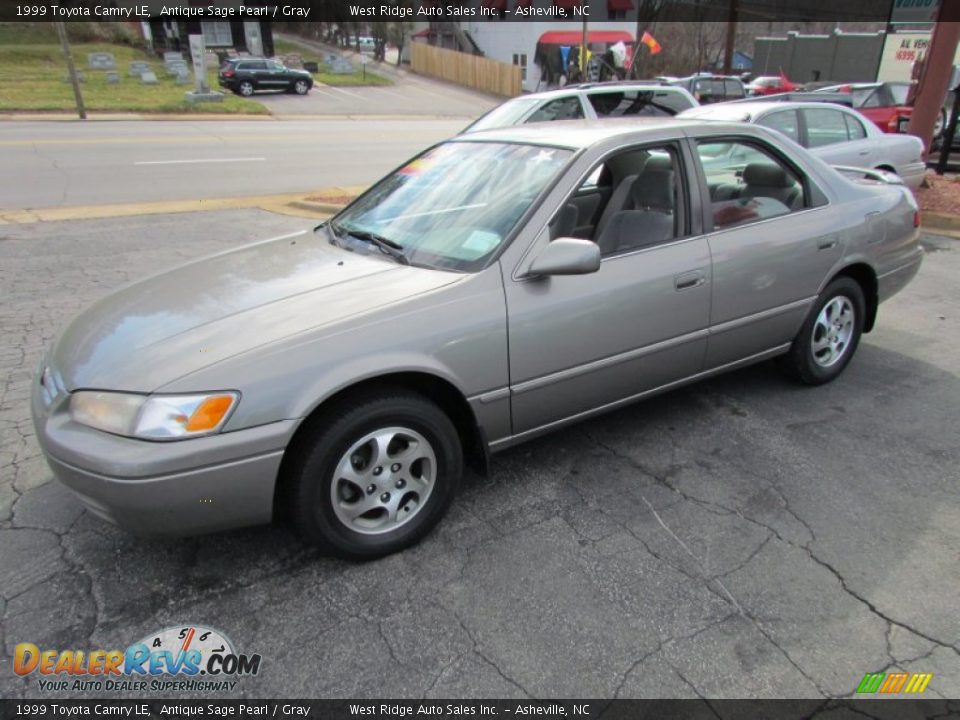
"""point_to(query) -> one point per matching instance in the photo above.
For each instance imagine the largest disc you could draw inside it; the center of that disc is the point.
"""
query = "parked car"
(590, 101)
(496, 287)
(245, 76)
(836, 134)
(885, 103)
(708, 88)
(770, 85)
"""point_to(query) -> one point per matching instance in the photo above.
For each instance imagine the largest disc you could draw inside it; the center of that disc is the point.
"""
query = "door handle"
(826, 244)
(687, 280)
(864, 152)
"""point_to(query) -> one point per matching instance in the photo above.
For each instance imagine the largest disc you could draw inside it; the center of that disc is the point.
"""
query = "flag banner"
(651, 42)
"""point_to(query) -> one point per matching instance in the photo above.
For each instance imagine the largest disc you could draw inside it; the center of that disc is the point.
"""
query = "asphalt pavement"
(57, 164)
(742, 537)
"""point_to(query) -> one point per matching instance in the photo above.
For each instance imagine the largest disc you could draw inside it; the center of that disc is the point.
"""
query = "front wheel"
(301, 87)
(376, 476)
(830, 335)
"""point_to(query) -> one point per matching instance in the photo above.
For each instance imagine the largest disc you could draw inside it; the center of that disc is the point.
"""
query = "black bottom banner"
(894, 709)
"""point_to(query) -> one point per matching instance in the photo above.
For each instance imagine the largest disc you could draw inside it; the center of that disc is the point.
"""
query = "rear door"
(831, 137)
(773, 239)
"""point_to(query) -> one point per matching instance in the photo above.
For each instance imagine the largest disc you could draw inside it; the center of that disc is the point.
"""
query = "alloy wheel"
(383, 480)
(833, 331)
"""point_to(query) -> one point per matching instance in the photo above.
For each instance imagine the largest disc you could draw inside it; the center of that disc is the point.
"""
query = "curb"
(939, 221)
(316, 207)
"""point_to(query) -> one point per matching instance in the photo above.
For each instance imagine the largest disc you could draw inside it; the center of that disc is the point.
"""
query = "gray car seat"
(771, 181)
(652, 222)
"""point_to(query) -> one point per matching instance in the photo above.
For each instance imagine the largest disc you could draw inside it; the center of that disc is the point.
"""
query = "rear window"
(641, 103)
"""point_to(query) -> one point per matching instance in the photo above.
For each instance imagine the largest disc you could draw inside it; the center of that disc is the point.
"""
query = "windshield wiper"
(386, 246)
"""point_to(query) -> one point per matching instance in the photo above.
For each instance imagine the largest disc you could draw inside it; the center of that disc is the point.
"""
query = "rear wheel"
(245, 88)
(830, 335)
(376, 477)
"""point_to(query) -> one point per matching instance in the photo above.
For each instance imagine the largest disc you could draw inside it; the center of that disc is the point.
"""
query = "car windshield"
(510, 113)
(452, 207)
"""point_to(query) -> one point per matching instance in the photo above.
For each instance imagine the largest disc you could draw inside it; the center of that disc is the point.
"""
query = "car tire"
(375, 475)
(245, 88)
(830, 334)
(301, 87)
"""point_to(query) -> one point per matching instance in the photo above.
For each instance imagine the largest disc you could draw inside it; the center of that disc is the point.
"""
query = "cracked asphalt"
(742, 537)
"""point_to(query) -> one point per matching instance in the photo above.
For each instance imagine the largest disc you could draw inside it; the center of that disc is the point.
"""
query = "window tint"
(784, 121)
(568, 108)
(274, 65)
(253, 65)
(855, 129)
(643, 207)
(644, 103)
(747, 183)
(825, 127)
(865, 97)
(708, 89)
(733, 88)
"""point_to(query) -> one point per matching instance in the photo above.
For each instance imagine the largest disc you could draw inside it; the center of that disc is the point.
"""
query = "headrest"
(767, 175)
(653, 189)
(658, 164)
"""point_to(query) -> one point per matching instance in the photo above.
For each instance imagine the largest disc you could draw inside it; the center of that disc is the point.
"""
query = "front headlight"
(152, 417)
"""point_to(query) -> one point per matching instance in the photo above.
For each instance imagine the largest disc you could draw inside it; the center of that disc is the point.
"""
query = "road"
(742, 537)
(56, 164)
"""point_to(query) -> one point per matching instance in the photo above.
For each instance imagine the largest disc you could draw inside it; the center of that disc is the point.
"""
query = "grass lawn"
(358, 77)
(32, 80)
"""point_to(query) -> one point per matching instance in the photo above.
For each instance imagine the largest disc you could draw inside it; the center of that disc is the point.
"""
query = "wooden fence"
(472, 71)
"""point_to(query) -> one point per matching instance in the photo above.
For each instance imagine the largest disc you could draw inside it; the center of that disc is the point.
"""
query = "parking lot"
(742, 537)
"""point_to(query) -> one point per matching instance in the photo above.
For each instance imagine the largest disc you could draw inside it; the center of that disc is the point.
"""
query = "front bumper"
(184, 487)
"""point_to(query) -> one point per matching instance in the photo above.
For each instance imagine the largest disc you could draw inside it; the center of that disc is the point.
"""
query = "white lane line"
(190, 162)
(345, 92)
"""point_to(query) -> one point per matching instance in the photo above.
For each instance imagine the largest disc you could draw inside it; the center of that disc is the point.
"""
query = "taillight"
(228, 73)
(893, 124)
(916, 218)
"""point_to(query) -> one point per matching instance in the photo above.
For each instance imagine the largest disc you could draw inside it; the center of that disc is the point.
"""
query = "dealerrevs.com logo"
(186, 658)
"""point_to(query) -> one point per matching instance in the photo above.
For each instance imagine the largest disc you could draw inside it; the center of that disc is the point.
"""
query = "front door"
(583, 342)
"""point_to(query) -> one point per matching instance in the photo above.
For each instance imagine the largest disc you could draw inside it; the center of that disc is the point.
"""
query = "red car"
(885, 103)
(770, 85)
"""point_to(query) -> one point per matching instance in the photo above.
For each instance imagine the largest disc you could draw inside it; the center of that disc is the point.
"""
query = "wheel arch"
(866, 277)
(440, 390)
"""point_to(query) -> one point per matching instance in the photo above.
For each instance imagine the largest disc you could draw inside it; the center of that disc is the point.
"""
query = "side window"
(274, 65)
(643, 204)
(867, 98)
(785, 121)
(733, 88)
(567, 108)
(825, 127)
(672, 102)
(606, 104)
(747, 183)
(253, 65)
(855, 129)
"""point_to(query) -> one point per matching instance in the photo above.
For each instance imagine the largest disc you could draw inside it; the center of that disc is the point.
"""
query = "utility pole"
(71, 69)
(932, 86)
(731, 37)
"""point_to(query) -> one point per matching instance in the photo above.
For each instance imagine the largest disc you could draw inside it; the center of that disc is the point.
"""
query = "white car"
(834, 133)
(643, 98)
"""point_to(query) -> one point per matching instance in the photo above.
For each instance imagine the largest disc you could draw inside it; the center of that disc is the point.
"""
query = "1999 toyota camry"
(498, 286)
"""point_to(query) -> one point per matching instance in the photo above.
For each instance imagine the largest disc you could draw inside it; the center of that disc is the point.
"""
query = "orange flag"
(651, 42)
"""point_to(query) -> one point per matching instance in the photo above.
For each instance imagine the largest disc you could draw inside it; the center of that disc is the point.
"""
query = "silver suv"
(645, 98)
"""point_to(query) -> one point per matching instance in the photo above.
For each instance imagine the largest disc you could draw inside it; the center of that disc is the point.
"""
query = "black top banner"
(471, 709)
(559, 11)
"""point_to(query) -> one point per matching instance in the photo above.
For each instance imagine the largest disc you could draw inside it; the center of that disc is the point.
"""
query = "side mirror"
(567, 256)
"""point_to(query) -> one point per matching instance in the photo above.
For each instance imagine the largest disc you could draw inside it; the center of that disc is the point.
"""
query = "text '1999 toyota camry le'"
(498, 286)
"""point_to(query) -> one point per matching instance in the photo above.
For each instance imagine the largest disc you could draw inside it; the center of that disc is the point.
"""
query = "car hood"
(169, 325)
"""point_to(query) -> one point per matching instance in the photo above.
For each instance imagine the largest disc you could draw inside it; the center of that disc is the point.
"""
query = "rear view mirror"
(567, 256)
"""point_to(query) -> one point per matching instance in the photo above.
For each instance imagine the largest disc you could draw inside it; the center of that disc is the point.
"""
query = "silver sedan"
(834, 133)
(496, 287)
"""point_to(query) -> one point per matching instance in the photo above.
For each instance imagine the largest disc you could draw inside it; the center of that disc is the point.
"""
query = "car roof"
(598, 87)
(744, 110)
(574, 134)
